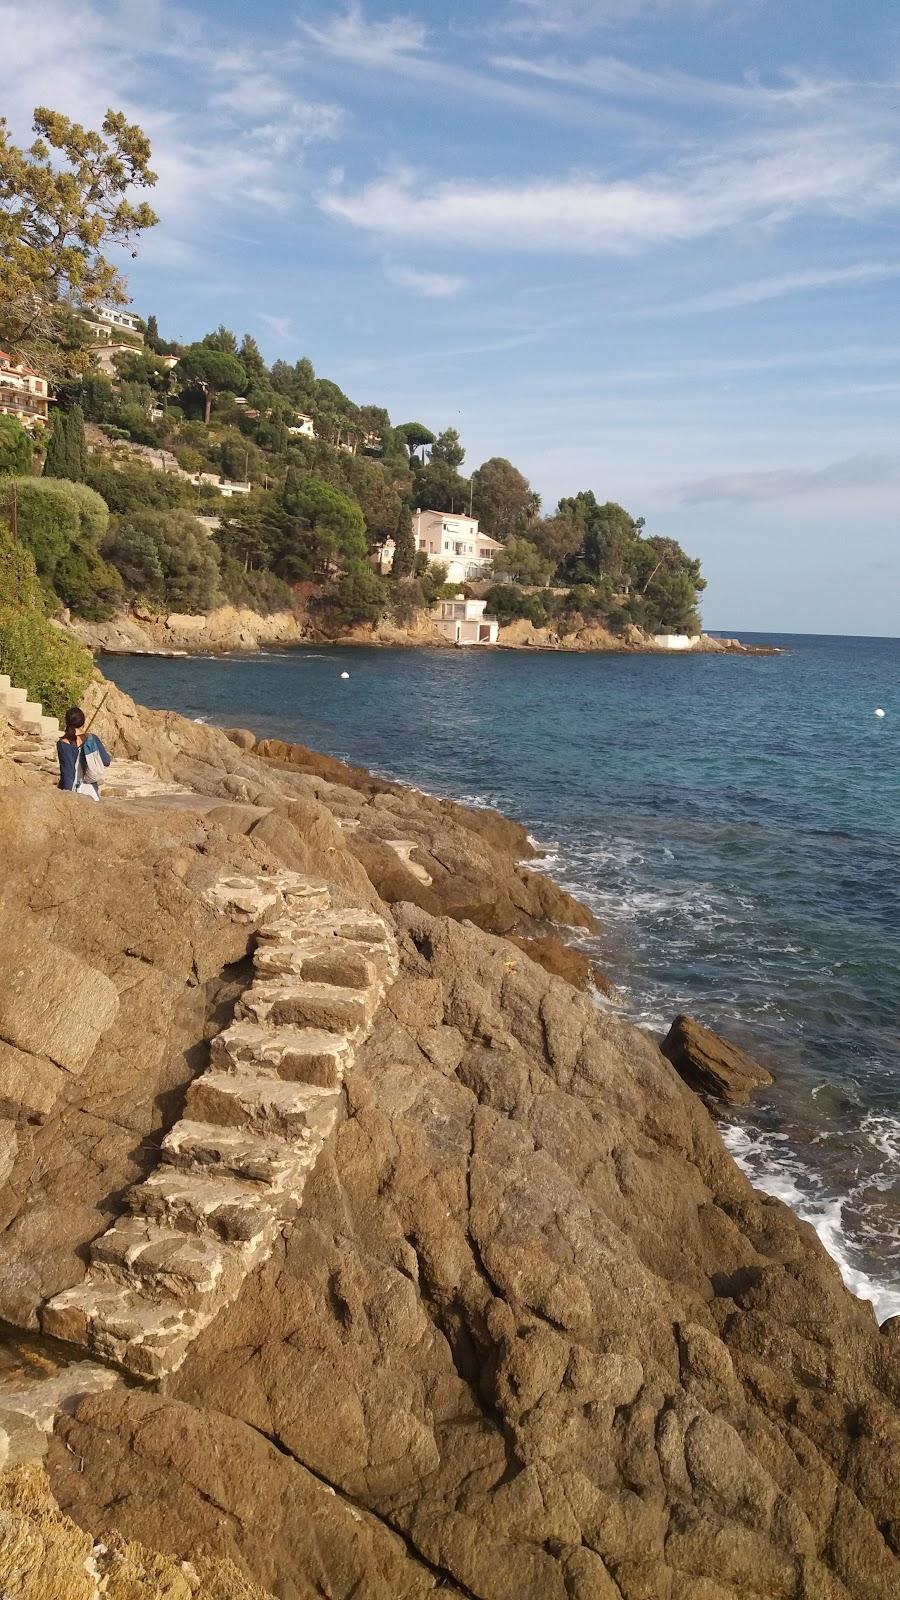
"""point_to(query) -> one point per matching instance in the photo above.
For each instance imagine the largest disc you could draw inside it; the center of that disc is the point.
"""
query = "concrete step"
(146, 1334)
(298, 1055)
(230, 1151)
(333, 961)
(233, 1209)
(263, 1104)
(5, 681)
(337, 1009)
(50, 728)
(12, 698)
(138, 1253)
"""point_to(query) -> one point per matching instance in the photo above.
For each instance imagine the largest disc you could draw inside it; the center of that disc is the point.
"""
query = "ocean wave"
(772, 1166)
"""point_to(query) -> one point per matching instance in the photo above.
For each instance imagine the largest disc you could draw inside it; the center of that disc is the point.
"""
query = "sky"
(647, 247)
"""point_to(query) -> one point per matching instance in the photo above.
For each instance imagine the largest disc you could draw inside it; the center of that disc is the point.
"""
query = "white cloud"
(762, 182)
(433, 285)
(776, 287)
(220, 158)
(611, 76)
(352, 37)
(583, 16)
(866, 471)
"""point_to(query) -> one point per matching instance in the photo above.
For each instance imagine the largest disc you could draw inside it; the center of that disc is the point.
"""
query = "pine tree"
(152, 334)
(56, 461)
(404, 546)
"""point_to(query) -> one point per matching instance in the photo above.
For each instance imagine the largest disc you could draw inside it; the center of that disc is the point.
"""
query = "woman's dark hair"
(74, 721)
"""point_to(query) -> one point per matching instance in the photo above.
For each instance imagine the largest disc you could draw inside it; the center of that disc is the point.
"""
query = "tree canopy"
(502, 499)
(63, 202)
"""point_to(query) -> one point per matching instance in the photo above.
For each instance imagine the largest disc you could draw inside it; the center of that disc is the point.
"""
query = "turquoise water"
(734, 823)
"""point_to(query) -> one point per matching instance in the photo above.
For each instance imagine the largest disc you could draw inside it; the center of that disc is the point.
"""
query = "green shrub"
(358, 595)
(260, 591)
(38, 657)
(507, 603)
(16, 448)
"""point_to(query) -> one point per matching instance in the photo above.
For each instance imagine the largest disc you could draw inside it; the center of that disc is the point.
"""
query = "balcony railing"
(23, 400)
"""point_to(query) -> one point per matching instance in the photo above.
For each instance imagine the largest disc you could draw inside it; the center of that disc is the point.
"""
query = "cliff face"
(532, 1335)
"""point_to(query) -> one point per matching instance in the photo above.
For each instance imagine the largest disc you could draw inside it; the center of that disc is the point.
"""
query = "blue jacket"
(68, 758)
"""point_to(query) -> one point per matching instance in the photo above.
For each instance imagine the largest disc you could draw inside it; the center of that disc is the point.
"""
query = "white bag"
(94, 769)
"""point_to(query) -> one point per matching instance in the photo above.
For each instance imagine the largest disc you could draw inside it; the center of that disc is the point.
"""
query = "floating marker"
(346, 675)
(879, 712)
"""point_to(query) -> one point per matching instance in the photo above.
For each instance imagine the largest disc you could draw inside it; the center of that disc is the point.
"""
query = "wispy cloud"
(763, 183)
(353, 37)
(751, 488)
(433, 285)
(584, 16)
(402, 46)
(280, 325)
(81, 57)
(609, 75)
(776, 287)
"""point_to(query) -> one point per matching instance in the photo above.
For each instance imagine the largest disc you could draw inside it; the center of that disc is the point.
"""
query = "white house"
(106, 322)
(303, 425)
(675, 641)
(222, 484)
(455, 542)
(23, 392)
(464, 622)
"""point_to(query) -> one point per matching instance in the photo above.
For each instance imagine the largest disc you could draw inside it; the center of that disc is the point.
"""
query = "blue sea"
(733, 822)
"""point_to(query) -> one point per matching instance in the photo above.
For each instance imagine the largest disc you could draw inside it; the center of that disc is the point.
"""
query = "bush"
(138, 488)
(38, 657)
(167, 556)
(62, 523)
(358, 595)
(16, 448)
(507, 603)
(260, 591)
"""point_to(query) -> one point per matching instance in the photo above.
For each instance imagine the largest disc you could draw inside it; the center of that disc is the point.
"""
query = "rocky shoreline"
(233, 629)
(530, 1336)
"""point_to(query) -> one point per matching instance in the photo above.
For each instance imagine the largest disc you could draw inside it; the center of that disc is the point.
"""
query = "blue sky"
(649, 247)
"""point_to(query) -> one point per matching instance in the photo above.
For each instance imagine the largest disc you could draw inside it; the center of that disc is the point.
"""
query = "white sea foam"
(771, 1166)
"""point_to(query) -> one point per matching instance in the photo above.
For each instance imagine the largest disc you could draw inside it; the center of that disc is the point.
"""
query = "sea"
(734, 823)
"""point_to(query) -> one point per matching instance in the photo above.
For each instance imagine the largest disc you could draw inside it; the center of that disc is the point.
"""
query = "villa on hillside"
(463, 621)
(107, 321)
(454, 542)
(302, 425)
(23, 392)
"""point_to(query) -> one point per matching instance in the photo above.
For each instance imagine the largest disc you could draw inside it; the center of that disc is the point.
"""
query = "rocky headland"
(379, 1260)
(228, 629)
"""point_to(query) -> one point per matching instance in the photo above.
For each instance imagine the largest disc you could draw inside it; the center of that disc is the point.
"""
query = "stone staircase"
(26, 714)
(234, 1168)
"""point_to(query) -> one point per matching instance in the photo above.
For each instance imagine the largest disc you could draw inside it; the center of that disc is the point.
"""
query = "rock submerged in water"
(715, 1069)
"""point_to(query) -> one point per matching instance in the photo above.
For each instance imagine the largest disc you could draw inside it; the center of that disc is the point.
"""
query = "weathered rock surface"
(46, 1556)
(719, 1071)
(531, 1336)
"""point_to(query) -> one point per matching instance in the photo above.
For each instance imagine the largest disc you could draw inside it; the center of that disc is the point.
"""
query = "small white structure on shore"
(463, 621)
(676, 641)
(222, 484)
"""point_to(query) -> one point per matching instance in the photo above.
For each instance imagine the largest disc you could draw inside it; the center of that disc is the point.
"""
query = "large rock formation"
(532, 1335)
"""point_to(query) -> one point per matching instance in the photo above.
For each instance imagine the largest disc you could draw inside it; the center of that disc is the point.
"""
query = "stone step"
(139, 1253)
(234, 1209)
(13, 699)
(250, 899)
(315, 960)
(366, 926)
(298, 1055)
(258, 1104)
(330, 1006)
(5, 681)
(50, 728)
(146, 1334)
(214, 1148)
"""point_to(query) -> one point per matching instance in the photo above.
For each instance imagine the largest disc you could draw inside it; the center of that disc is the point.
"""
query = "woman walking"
(82, 757)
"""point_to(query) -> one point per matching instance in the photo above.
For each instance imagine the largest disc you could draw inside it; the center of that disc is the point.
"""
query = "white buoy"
(346, 675)
(879, 712)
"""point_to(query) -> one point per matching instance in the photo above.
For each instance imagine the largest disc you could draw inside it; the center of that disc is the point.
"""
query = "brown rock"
(717, 1070)
(565, 961)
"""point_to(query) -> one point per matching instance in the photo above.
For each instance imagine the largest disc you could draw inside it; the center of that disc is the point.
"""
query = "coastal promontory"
(522, 1332)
